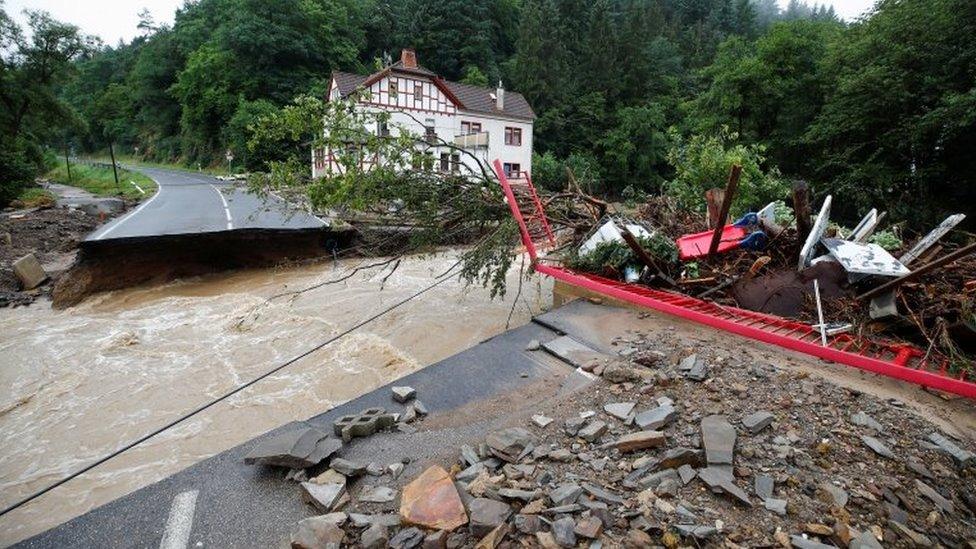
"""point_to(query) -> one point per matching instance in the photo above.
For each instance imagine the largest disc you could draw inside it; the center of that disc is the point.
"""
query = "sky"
(113, 20)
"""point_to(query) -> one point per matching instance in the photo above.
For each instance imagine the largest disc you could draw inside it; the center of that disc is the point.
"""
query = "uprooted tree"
(391, 175)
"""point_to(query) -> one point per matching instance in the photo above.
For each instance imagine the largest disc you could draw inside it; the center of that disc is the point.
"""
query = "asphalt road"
(192, 203)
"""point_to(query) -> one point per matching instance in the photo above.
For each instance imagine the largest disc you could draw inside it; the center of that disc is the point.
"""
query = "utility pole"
(67, 163)
(115, 172)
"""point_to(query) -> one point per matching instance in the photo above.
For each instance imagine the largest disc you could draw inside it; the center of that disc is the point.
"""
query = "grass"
(34, 197)
(132, 160)
(100, 181)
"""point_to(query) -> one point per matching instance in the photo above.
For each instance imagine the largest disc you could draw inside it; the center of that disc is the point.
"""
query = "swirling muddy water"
(78, 384)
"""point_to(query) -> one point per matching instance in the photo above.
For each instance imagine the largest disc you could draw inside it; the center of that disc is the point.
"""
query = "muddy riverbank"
(76, 384)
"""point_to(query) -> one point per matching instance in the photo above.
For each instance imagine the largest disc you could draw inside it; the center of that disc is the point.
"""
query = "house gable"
(410, 91)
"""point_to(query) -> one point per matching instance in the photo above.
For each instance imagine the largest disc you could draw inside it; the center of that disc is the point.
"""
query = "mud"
(51, 234)
(122, 263)
(790, 293)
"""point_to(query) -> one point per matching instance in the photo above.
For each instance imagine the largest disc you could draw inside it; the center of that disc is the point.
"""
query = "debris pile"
(36, 245)
(673, 447)
(777, 261)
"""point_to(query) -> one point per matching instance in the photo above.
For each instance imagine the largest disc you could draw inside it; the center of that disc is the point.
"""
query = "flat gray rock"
(564, 532)
(347, 468)
(757, 421)
(508, 444)
(485, 515)
(687, 473)
(878, 447)
(402, 394)
(865, 420)
(837, 494)
(718, 437)
(716, 478)
(378, 494)
(572, 352)
(565, 494)
(777, 506)
(602, 495)
(656, 418)
(938, 499)
(298, 449)
(593, 431)
(323, 497)
(764, 485)
(962, 457)
(620, 410)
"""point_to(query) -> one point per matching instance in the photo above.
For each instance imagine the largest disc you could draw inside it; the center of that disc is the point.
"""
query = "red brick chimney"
(408, 57)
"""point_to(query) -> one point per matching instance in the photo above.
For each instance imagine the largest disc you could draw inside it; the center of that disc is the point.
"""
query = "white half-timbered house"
(488, 122)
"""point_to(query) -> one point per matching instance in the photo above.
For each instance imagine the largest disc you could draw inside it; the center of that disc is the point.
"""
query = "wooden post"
(713, 201)
(111, 152)
(801, 209)
(928, 267)
(723, 214)
(67, 163)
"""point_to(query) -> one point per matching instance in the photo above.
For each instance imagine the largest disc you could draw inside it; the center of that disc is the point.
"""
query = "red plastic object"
(896, 360)
(691, 246)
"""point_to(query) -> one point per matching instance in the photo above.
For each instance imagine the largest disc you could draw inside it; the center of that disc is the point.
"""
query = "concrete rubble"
(819, 466)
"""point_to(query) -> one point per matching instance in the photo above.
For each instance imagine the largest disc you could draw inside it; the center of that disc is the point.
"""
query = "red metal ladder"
(892, 359)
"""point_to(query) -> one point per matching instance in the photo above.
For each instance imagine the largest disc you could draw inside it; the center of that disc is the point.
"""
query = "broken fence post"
(801, 209)
(723, 214)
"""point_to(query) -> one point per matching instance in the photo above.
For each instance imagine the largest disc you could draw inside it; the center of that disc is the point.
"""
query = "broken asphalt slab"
(241, 505)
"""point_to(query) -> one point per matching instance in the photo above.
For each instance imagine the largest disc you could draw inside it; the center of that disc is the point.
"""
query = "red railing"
(892, 359)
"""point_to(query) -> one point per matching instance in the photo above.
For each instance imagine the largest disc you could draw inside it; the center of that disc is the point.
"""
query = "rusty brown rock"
(432, 501)
(639, 441)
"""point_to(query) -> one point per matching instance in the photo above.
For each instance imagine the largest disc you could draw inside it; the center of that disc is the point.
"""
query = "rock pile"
(674, 452)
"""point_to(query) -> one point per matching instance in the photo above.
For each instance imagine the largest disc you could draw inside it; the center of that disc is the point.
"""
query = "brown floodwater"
(77, 384)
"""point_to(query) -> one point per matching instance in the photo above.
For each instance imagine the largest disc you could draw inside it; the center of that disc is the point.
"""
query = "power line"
(443, 278)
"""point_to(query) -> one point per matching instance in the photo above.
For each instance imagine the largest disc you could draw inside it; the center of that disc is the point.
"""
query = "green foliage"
(783, 214)
(100, 180)
(887, 239)
(18, 167)
(704, 162)
(897, 124)
(474, 77)
(617, 255)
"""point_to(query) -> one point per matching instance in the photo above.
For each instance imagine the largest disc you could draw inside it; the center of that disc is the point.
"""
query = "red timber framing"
(896, 360)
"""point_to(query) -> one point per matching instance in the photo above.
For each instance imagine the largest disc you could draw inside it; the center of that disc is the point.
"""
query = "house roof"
(470, 98)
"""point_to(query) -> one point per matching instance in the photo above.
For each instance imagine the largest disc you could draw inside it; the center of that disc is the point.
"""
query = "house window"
(394, 89)
(319, 158)
(513, 136)
(450, 162)
(429, 129)
(512, 169)
(418, 94)
(468, 128)
(382, 129)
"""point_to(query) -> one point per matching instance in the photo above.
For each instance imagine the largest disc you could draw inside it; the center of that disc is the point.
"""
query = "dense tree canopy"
(878, 111)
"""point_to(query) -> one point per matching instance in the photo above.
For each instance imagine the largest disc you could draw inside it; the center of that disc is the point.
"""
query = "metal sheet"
(865, 227)
(928, 240)
(860, 258)
(816, 232)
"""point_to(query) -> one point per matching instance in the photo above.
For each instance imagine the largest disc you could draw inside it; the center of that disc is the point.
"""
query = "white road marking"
(230, 221)
(138, 188)
(159, 191)
(180, 521)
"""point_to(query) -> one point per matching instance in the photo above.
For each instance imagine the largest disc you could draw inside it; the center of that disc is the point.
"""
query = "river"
(78, 384)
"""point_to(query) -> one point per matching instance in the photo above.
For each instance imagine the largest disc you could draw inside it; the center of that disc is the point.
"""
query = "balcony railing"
(472, 140)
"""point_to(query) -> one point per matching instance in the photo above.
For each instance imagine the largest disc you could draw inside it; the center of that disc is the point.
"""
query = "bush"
(703, 162)
(19, 164)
